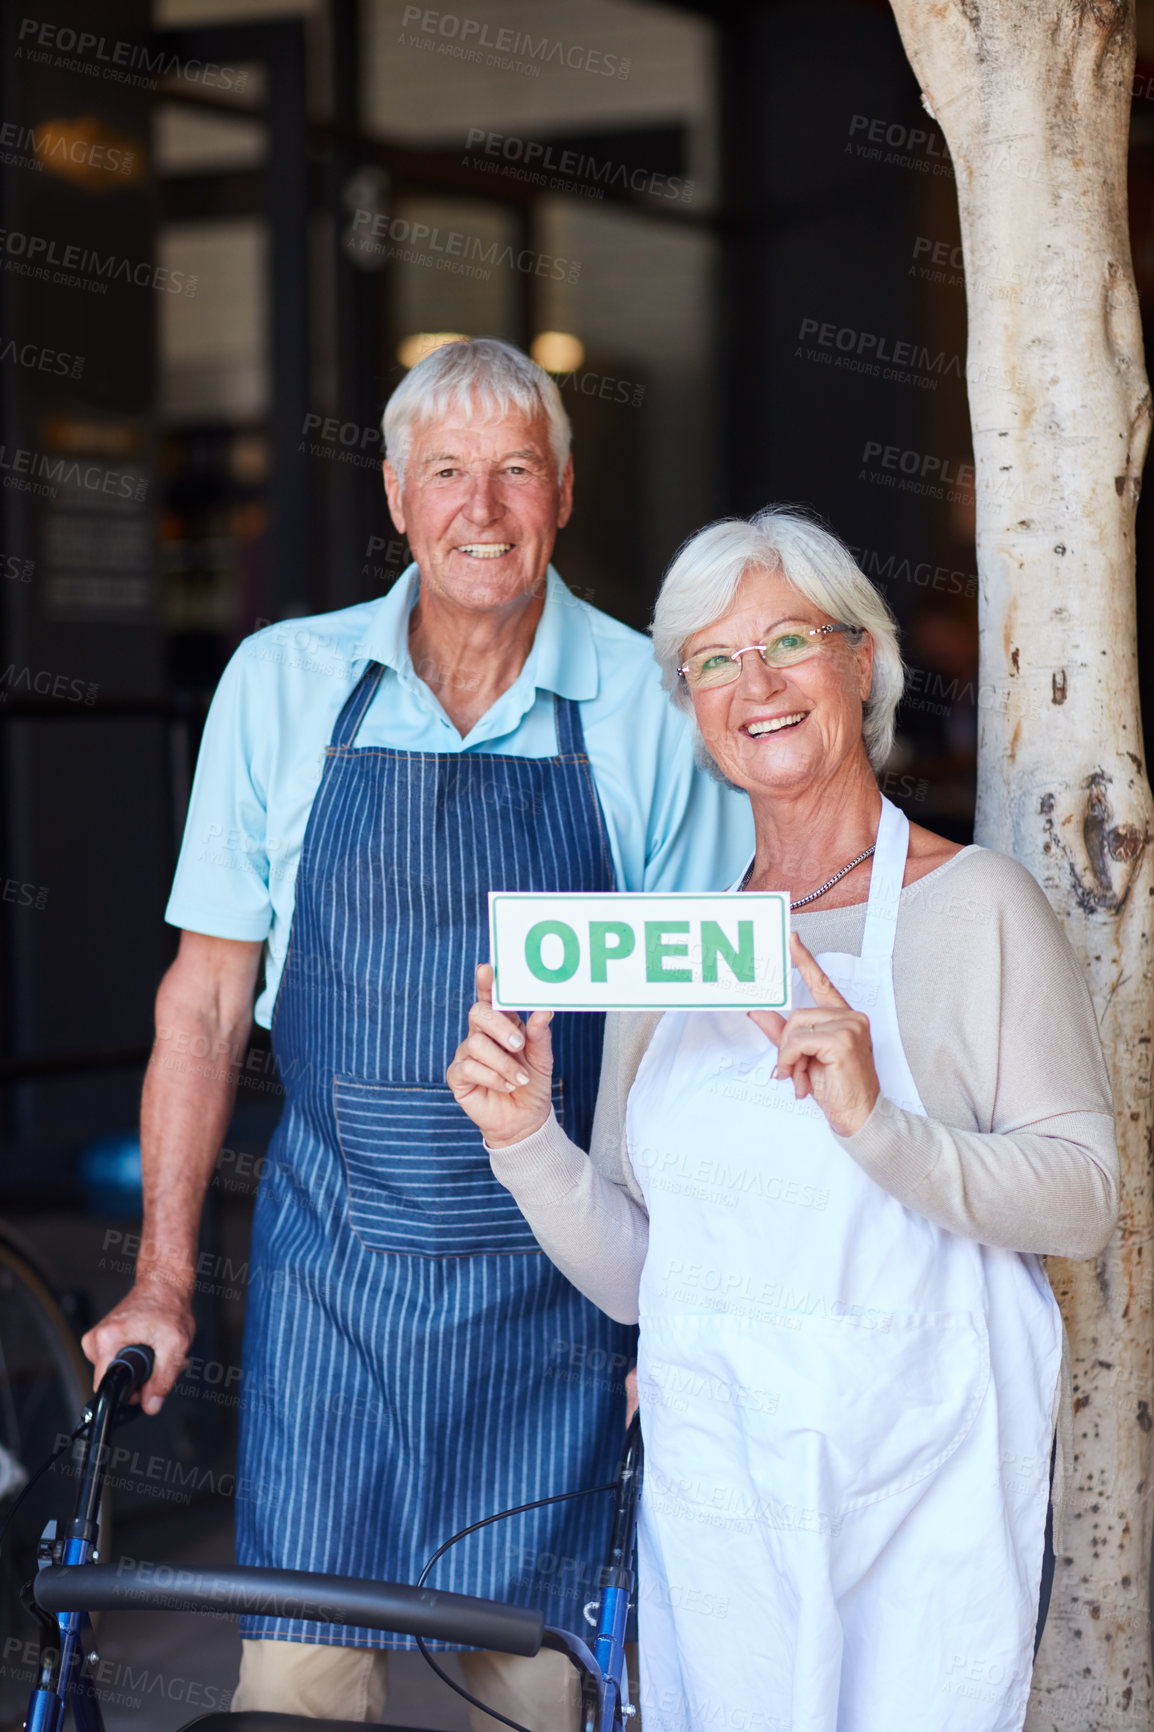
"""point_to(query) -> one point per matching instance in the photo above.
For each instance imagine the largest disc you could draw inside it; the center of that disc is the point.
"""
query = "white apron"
(847, 1410)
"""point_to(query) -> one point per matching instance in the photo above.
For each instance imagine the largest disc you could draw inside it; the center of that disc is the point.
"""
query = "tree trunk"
(1034, 99)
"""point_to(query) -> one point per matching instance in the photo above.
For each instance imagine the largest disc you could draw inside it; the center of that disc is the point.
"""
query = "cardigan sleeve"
(586, 1211)
(1016, 1145)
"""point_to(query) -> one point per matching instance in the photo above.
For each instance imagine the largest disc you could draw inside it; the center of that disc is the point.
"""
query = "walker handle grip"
(133, 1367)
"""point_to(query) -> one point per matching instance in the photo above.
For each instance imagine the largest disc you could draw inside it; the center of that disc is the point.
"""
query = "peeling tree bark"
(1034, 100)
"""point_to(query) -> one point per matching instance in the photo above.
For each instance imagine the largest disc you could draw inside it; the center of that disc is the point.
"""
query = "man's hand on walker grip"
(502, 1072)
(158, 1311)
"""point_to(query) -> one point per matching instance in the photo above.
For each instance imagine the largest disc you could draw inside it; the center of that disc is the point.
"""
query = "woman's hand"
(825, 1050)
(502, 1072)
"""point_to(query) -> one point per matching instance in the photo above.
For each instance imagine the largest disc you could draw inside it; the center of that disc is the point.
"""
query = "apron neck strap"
(570, 733)
(889, 867)
(354, 707)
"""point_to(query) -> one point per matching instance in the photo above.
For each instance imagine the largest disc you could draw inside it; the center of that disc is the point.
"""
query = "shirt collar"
(563, 658)
(386, 637)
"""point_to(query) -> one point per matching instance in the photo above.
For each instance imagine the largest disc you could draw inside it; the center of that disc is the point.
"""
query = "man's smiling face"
(481, 505)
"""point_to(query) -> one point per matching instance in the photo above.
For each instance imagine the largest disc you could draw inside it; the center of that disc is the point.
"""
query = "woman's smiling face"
(781, 730)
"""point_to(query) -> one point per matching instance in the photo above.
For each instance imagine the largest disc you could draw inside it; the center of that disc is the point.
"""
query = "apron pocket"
(901, 1405)
(828, 1417)
(418, 1175)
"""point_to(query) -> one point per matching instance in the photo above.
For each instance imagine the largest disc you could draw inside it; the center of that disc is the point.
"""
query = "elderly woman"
(849, 1360)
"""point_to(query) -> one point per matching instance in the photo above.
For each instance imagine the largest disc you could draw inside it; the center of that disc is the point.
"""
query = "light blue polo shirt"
(671, 827)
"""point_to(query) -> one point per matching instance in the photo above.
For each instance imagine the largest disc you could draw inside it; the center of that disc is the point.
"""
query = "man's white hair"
(481, 379)
(702, 581)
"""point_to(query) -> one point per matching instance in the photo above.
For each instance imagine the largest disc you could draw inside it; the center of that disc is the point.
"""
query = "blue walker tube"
(617, 1578)
(60, 1679)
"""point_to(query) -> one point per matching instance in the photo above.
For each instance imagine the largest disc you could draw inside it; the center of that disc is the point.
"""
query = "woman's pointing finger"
(822, 989)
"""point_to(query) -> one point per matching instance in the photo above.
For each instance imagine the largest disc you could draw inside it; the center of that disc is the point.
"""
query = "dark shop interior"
(728, 230)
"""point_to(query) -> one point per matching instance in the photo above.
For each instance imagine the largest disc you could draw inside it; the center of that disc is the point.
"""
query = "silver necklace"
(829, 883)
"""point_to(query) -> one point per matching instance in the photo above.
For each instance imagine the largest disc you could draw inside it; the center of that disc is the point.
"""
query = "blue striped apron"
(412, 1361)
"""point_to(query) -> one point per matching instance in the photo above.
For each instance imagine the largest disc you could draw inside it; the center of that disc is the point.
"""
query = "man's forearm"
(203, 1017)
(189, 1090)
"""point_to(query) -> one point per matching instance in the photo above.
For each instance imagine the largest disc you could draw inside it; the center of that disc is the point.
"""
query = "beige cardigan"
(1017, 1148)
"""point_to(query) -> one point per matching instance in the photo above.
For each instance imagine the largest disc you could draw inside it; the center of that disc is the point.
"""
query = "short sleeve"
(221, 885)
(700, 832)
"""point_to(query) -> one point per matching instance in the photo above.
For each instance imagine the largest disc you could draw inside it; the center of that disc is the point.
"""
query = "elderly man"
(412, 1362)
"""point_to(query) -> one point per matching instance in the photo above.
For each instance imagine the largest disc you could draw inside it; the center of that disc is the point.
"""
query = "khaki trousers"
(353, 1684)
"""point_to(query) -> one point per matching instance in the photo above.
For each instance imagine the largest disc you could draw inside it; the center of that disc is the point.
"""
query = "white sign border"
(554, 896)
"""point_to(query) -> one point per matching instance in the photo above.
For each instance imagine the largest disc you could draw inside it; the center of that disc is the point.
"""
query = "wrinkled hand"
(825, 1050)
(156, 1312)
(502, 1072)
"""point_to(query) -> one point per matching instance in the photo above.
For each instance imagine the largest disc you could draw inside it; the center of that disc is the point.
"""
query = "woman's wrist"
(514, 1142)
(542, 1169)
(854, 1112)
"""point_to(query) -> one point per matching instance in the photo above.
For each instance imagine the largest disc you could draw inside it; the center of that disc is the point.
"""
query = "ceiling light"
(412, 349)
(558, 351)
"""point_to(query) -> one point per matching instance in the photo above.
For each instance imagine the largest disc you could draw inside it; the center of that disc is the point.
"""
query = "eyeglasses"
(794, 642)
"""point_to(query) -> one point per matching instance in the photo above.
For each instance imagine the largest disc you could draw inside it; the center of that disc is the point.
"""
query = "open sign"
(633, 951)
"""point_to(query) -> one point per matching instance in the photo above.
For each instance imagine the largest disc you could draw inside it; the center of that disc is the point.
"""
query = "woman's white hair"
(483, 379)
(702, 581)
